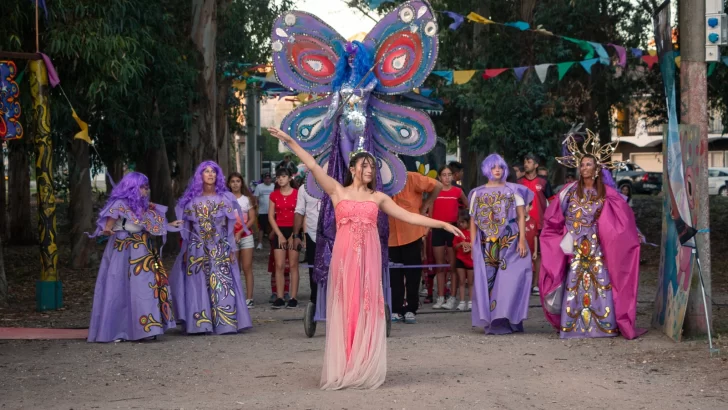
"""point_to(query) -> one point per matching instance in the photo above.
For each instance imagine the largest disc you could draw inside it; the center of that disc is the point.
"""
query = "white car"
(718, 181)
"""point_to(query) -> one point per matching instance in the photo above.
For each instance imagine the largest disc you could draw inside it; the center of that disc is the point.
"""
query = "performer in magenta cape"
(356, 343)
(131, 299)
(205, 279)
(590, 249)
(395, 57)
(501, 258)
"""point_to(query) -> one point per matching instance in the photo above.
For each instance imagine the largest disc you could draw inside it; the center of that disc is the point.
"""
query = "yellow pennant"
(303, 97)
(652, 52)
(462, 76)
(677, 61)
(240, 85)
(83, 135)
(477, 18)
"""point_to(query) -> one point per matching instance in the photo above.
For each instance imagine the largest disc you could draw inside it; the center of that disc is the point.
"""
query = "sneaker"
(410, 318)
(292, 303)
(423, 292)
(396, 318)
(272, 298)
(427, 300)
(450, 304)
(535, 291)
(260, 246)
(286, 297)
(249, 303)
(440, 302)
(279, 303)
(462, 307)
(470, 305)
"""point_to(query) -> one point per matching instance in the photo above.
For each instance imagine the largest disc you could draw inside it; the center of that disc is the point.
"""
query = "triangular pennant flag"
(650, 61)
(542, 30)
(542, 71)
(240, 85)
(711, 68)
(563, 68)
(426, 92)
(462, 76)
(584, 45)
(621, 53)
(477, 18)
(493, 72)
(458, 19)
(724, 60)
(519, 71)
(587, 64)
(83, 134)
(636, 52)
(521, 25)
(652, 52)
(303, 97)
(677, 61)
(601, 52)
(447, 75)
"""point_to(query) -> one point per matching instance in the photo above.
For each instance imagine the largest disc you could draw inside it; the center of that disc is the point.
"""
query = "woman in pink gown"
(356, 340)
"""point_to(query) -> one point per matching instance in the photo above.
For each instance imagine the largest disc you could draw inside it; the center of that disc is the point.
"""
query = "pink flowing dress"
(356, 349)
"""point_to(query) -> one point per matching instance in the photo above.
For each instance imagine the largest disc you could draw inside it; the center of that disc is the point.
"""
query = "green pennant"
(563, 68)
(711, 68)
(584, 45)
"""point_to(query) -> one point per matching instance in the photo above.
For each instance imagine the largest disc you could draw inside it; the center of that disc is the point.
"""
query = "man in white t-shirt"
(262, 192)
(307, 207)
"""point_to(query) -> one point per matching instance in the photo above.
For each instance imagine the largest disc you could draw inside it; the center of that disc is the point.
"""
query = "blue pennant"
(587, 64)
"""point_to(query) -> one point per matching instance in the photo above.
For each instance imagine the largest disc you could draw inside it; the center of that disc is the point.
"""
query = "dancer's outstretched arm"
(389, 207)
(328, 184)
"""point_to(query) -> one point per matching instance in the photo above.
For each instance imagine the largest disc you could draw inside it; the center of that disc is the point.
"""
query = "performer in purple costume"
(131, 299)
(205, 279)
(309, 56)
(501, 257)
(590, 269)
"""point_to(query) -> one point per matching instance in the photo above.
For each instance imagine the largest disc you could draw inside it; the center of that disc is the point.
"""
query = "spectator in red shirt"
(464, 262)
(280, 215)
(542, 191)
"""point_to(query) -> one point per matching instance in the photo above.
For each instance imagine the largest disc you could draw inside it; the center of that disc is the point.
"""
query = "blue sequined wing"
(406, 44)
(391, 169)
(400, 129)
(312, 187)
(306, 125)
(304, 56)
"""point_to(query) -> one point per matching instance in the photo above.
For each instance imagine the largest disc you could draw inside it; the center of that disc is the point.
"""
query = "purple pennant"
(519, 71)
(621, 53)
(455, 16)
(42, 4)
(636, 52)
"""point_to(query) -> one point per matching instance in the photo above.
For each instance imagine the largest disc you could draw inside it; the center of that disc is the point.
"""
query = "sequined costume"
(502, 277)
(356, 346)
(131, 299)
(590, 265)
(306, 58)
(205, 281)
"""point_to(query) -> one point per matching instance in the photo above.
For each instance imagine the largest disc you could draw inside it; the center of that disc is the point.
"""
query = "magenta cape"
(620, 245)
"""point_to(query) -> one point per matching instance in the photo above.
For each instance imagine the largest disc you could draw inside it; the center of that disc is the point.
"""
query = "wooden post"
(48, 290)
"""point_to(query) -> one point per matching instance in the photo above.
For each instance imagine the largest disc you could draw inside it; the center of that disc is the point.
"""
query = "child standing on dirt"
(464, 262)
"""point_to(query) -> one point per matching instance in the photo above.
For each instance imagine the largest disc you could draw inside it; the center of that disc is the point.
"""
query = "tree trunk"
(203, 143)
(3, 197)
(20, 225)
(3, 278)
(81, 204)
(223, 131)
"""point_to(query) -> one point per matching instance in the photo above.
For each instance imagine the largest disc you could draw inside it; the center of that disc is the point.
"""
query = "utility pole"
(694, 111)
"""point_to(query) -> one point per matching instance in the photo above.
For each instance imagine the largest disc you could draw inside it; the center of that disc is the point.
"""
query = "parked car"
(639, 180)
(718, 181)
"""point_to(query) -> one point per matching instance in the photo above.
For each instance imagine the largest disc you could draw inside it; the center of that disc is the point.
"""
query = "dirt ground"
(440, 362)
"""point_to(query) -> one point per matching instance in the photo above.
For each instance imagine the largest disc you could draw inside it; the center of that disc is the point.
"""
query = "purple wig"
(127, 190)
(194, 188)
(491, 161)
(363, 62)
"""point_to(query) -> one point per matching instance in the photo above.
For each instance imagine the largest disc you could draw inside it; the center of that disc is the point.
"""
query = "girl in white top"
(245, 242)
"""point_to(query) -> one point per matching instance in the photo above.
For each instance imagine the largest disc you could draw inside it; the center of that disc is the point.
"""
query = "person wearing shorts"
(244, 238)
(281, 217)
(450, 199)
(262, 193)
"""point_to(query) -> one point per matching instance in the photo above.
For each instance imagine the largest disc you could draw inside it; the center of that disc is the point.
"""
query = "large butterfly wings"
(304, 55)
(405, 47)
(306, 125)
(401, 129)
